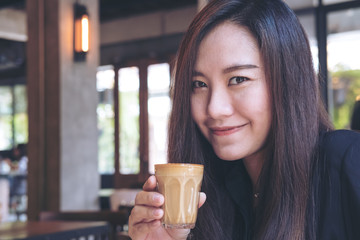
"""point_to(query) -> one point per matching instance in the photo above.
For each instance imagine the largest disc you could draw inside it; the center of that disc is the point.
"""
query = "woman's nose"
(220, 104)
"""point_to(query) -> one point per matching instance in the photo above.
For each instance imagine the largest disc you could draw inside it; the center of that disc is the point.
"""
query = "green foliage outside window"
(129, 132)
(346, 86)
(20, 117)
(13, 116)
(106, 138)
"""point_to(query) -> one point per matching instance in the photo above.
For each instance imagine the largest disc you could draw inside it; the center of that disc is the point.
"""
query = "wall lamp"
(81, 32)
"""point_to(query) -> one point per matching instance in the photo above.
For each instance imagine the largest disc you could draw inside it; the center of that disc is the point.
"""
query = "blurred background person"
(17, 179)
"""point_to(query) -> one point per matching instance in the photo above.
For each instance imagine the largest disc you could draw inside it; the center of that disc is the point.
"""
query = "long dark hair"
(286, 208)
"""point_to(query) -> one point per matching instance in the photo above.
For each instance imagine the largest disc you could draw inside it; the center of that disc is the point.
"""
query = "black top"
(339, 187)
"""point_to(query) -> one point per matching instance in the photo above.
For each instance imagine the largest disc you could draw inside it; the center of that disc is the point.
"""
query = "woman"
(246, 105)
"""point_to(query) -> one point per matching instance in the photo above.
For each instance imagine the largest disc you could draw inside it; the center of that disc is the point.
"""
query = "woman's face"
(230, 99)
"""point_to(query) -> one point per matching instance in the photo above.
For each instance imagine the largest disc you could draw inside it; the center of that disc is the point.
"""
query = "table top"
(51, 229)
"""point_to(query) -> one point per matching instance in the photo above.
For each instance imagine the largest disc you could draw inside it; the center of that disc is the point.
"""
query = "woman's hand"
(144, 221)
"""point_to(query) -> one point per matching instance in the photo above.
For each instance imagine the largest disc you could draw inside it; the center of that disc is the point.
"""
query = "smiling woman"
(246, 105)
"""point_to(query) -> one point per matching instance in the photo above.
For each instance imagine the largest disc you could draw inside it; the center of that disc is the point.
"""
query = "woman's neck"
(253, 165)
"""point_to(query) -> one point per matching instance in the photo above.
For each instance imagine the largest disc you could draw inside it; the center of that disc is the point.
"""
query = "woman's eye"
(198, 84)
(237, 80)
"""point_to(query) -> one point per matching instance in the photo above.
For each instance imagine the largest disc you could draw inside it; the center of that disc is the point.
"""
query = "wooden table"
(54, 230)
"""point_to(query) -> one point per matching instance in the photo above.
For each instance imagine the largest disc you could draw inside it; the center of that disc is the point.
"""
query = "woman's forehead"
(229, 44)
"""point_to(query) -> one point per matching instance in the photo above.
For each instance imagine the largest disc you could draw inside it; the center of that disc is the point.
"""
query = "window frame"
(135, 180)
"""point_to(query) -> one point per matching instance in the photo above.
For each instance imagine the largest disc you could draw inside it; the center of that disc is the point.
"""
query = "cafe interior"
(84, 102)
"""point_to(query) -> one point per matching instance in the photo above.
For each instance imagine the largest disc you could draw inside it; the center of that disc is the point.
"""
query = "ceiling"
(12, 3)
(112, 9)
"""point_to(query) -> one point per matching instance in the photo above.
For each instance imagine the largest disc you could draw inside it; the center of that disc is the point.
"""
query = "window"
(13, 116)
(343, 50)
(296, 4)
(334, 1)
(129, 117)
(334, 35)
(6, 118)
(105, 80)
(158, 110)
(132, 119)
(308, 22)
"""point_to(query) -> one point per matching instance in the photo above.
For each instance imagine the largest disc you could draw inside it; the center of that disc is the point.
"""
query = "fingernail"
(157, 212)
(157, 198)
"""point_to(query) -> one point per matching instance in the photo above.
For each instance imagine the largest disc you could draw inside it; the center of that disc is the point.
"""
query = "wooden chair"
(116, 219)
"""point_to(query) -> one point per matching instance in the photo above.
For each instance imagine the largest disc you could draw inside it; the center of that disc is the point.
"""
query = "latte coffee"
(180, 184)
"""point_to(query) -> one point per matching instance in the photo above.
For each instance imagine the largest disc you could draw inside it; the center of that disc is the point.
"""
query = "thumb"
(202, 199)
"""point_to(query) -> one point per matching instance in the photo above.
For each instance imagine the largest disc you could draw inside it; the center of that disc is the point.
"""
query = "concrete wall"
(80, 180)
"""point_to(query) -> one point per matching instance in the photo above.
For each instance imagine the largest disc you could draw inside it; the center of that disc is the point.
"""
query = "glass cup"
(180, 184)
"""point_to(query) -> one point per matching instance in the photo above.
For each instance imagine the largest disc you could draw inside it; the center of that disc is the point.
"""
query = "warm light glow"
(77, 36)
(81, 32)
(85, 33)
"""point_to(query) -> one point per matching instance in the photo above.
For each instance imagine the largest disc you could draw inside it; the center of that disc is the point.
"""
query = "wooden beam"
(43, 106)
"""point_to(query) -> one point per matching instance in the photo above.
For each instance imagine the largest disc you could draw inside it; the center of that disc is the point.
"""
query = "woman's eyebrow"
(227, 69)
(239, 67)
(197, 74)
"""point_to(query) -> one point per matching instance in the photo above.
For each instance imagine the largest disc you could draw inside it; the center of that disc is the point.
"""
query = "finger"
(202, 199)
(140, 230)
(150, 184)
(153, 199)
(143, 214)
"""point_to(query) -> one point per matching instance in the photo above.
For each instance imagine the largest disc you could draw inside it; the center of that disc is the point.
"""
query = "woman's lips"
(223, 131)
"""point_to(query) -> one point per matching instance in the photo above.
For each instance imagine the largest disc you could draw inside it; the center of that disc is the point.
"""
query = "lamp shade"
(81, 32)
